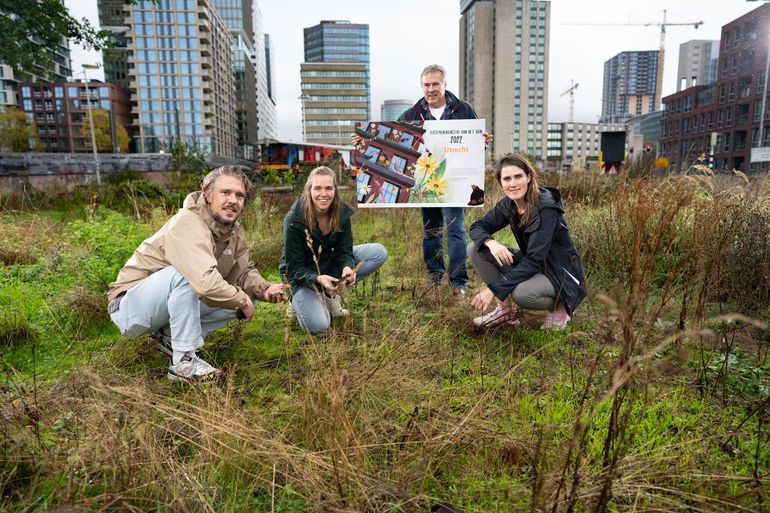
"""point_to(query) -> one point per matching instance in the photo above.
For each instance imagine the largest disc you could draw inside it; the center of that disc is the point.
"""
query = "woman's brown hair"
(532, 196)
(311, 219)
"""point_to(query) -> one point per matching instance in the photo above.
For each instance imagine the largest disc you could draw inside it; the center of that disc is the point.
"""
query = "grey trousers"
(536, 293)
(166, 298)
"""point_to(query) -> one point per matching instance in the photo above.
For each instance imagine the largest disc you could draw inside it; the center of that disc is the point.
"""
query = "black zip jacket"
(455, 109)
(545, 246)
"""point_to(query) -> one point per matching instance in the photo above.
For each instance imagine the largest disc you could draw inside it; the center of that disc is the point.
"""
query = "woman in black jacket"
(545, 273)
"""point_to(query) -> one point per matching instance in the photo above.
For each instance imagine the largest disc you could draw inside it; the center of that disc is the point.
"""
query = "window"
(383, 131)
(389, 193)
(363, 186)
(372, 153)
(398, 164)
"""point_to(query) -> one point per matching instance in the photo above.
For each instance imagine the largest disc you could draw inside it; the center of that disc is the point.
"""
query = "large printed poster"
(420, 164)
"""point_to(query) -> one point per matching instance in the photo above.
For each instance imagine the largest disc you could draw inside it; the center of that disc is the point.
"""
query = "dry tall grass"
(393, 407)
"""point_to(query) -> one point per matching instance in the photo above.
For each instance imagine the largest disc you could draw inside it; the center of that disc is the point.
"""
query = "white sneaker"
(334, 304)
(500, 315)
(556, 320)
(548, 324)
(192, 368)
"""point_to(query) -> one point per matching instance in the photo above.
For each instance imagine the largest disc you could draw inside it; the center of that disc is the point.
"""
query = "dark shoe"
(435, 278)
(461, 291)
(161, 342)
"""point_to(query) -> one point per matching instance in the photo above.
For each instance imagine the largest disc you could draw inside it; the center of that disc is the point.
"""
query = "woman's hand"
(483, 299)
(349, 275)
(328, 283)
(503, 255)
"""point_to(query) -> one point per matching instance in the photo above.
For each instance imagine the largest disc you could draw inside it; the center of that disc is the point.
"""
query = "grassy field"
(657, 397)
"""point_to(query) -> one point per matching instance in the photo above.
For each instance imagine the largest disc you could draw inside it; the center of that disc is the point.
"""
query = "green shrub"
(111, 239)
(15, 330)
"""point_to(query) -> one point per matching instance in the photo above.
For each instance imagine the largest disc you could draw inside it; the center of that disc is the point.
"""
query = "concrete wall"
(65, 171)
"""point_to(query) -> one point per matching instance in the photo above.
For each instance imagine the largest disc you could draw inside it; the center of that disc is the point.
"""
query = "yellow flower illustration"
(427, 164)
(437, 186)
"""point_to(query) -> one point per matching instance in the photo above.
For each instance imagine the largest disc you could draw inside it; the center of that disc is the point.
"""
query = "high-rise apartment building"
(629, 86)
(112, 17)
(334, 98)
(180, 73)
(504, 47)
(335, 79)
(237, 15)
(697, 63)
(267, 126)
(10, 79)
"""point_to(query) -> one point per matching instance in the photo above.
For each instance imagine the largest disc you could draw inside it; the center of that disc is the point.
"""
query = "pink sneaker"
(556, 320)
(500, 315)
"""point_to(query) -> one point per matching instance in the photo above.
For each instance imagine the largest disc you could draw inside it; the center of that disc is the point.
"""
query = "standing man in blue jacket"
(438, 103)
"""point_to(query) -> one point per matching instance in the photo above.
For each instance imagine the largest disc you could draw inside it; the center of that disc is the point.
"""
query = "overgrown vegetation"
(656, 399)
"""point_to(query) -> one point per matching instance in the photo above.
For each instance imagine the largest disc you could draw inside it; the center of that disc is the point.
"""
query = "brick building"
(59, 111)
(731, 108)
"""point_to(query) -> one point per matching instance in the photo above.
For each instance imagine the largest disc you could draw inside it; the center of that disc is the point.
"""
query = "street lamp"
(303, 97)
(91, 121)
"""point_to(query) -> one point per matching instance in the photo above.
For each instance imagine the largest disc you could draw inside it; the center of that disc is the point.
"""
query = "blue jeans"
(312, 315)
(433, 220)
(165, 298)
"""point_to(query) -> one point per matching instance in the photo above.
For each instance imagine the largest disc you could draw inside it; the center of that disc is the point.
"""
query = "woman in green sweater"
(318, 252)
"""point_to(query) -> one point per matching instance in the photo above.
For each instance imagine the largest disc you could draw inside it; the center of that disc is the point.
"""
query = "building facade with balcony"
(504, 48)
(735, 108)
(60, 112)
(629, 83)
(180, 73)
(240, 18)
(11, 79)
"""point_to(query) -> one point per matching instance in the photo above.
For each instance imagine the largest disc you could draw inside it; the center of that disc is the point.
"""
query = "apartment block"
(629, 86)
(334, 98)
(504, 46)
(335, 80)
(697, 63)
(180, 72)
(729, 118)
(60, 112)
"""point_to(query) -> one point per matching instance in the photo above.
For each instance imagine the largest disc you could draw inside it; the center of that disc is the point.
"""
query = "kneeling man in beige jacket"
(192, 276)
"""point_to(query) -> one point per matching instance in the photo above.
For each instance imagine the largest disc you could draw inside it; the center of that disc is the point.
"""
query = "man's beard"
(221, 221)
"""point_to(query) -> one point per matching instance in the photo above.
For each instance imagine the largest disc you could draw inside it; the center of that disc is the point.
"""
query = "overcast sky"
(406, 35)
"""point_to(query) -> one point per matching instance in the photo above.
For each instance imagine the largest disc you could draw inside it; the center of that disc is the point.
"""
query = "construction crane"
(571, 92)
(661, 52)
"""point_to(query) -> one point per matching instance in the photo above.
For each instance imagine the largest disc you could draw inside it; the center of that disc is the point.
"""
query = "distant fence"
(64, 171)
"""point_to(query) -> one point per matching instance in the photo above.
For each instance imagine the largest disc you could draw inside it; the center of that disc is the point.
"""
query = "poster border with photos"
(431, 163)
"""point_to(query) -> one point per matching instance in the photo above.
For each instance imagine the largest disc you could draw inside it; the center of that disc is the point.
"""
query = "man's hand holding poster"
(420, 164)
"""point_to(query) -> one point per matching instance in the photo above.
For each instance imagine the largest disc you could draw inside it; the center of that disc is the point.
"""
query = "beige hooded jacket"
(212, 257)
